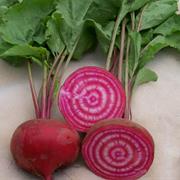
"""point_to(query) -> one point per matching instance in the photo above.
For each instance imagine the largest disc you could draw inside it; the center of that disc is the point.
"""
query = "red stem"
(50, 98)
(33, 92)
(115, 60)
(53, 67)
(120, 73)
(44, 93)
(113, 39)
(129, 114)
(127, 79)
(52, 86)
(48, 177)
(128, 82)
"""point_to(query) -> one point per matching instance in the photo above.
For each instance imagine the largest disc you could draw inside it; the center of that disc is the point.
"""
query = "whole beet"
(41, 146)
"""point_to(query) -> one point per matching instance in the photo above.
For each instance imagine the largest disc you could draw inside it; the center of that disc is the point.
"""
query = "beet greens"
(50, 33)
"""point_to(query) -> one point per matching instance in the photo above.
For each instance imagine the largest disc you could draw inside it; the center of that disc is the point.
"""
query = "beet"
(118, 150)
(41, 146)
(89, 95)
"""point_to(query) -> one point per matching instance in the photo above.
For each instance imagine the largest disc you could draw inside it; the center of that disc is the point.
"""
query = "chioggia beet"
(118, 150)
(89, 95)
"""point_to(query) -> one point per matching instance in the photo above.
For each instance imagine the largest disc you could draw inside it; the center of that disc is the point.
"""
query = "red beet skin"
(118, 150)
(89, 95)
(41, 146)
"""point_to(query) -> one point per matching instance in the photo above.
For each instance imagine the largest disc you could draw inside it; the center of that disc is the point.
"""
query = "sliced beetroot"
(89, 95)
(41, 146)
(118, 150)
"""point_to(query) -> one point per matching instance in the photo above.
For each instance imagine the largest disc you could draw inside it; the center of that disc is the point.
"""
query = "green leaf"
(26, 51)
(68, 34)
(157, 12)
(7, 2)
(104, 35)
(15, 61)
(147, 36)
(71, 15)
(170, 26)
(39, 36)
(128, 6)
(53, 36)
(135, 50)
(156, 45)
(87, 40)
(173, 40)
(4, 4)
(4, 46)
(73, 11)
(151, 49)
(21, 21)
(144, 76)
(59, 34)
(102, 11)
(3, 9)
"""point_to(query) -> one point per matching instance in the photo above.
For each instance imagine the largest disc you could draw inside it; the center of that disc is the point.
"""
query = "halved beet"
(118, 150)
(89, 95)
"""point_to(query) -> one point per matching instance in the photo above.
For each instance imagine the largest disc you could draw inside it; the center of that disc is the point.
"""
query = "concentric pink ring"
(132, 145)
(89, 95)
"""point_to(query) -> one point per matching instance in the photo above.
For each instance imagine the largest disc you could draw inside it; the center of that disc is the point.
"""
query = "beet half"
(89, 95)
(118, 150)
(41, 146)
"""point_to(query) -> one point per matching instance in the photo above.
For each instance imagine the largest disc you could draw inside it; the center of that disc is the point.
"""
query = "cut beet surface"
(89, 95)
(118, 150)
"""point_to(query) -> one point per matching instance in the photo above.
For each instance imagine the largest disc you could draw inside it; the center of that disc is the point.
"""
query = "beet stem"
(50, 99)
(123, 34)
(140, 19)
(48, 177)
(115, 60)
(111, 48)
(53, 66)
(33, 91)
(44, 92)
(52, 86)
(127, 113)
(128, 85)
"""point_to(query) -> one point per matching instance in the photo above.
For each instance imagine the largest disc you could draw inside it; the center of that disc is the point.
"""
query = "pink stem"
(127, 79)
(113, 39)
(44, 93)
(33, 92)
(115, 60)
(122, 50)
(52, 86)
(48, 177)
(53, 67)
(129, 113)
(128, 82)
(50, 98)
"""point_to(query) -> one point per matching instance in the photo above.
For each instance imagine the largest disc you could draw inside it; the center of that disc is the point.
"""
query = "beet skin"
(41, 146)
